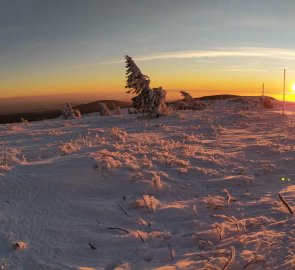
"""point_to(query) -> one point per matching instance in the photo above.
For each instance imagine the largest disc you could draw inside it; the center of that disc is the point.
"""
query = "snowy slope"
(194, 190)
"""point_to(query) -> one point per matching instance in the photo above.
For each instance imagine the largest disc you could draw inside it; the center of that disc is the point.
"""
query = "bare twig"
(248, 263)
(212, 266)
(231, 258)
(286, 204)
(219, 230)
(195, 210)
(123, 210)
(255, 259)
(171, 252)
(235, 221)
(244, 225)
(228, 198)
(92, 246)
(114, 228)
(152, 202)
(140, 236)
(171, 162)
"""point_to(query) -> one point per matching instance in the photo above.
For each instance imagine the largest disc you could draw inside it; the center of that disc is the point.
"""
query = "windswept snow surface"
(193, 190)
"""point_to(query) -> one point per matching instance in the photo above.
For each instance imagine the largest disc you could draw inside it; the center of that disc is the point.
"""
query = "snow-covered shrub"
(189, 103)
(132, 111)
(118, 134)
(14, 128)
(116, 109)
(157, 103)
(77, 113)
(69, 113)
(152, 102)
(187, 98)
(103, 109)
(266, 102)
(107, 160)
(24, 121)
(214, 202)
(70, 147)
(158, 185)
(147, 201)
(8, 157)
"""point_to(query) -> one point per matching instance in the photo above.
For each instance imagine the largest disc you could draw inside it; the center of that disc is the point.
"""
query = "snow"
(186, 191)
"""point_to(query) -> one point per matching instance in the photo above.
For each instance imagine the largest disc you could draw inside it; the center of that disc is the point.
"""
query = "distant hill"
(216, 97)
(92, 106)
(55, 113)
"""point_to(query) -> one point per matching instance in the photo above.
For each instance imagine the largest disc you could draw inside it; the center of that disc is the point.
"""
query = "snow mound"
(193, 190)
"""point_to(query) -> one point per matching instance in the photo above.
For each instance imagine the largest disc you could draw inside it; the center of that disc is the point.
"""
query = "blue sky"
(59, 46)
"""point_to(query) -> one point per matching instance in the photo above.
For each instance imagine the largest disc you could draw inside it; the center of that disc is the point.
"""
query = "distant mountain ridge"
(55, 113)
(91, 107)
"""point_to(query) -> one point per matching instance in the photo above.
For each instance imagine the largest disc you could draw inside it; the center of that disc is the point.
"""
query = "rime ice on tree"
(103, 109)
(151, 101)
(116, 109)
(136, 81)
(69, 113)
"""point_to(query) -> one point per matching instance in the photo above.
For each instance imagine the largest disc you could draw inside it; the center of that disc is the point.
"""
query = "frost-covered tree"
(135, 81)
(116, 109)
(77, 113)
(69, 113)
(103, 109)
(157, 103)
(150, 101)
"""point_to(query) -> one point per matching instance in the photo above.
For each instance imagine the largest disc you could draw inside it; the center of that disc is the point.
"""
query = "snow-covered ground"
(194, 190)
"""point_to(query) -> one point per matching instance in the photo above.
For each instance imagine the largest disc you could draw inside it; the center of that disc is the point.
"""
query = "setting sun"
(293, 87)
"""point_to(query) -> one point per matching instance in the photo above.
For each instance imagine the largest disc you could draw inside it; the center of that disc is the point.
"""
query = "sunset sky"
(206, 47)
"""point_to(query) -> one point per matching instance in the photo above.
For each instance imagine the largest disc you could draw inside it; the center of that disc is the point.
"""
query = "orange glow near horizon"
(108, 82)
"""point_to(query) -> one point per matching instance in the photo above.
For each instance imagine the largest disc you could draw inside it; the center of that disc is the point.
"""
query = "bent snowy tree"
(150, 101)
(189, 103)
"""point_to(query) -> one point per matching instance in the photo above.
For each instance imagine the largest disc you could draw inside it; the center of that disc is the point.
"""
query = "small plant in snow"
(119, 134)
(147, 162)
(24, 121)
(106, 160)
(147, 201)
(158, 185)
(70, 147)
(8, 157)
(14, 128)
(214, 202)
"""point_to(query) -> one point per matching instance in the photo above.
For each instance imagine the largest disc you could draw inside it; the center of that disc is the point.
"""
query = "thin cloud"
(243, 52)
(277, 53)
